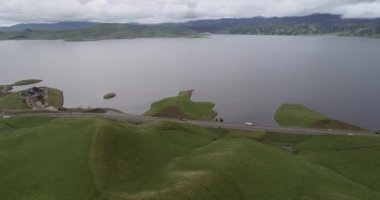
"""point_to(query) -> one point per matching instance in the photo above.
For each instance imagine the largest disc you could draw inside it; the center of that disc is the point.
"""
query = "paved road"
(209, 124)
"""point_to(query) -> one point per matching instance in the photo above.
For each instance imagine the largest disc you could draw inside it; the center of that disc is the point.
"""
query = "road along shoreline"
(205, 124)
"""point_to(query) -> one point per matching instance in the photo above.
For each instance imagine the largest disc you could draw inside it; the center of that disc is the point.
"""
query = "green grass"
(182, 106)
(12, 101)
(353, 157)
(95, 158)
(294, 115)
(109, 96)
(47, 161)
(55, 98)
(26, 82)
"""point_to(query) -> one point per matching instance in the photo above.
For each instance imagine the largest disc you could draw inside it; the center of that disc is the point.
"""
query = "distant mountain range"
(50, 26)
(97, 32)
(317, 24)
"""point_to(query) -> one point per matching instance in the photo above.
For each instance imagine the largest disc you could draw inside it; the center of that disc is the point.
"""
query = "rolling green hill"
(99, 32)
(95, 158)
(12, 101)
(182, 107)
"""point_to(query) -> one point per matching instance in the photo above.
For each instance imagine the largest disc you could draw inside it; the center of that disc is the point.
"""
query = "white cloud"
(360, 10)
(15, 11)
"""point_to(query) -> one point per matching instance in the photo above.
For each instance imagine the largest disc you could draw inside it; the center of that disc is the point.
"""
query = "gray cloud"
(16, 11)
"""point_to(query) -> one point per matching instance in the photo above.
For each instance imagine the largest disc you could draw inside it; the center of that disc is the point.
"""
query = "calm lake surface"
(248, 77)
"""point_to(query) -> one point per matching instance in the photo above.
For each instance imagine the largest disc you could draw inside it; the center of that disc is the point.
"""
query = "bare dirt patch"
(173, 112)
(324, 124)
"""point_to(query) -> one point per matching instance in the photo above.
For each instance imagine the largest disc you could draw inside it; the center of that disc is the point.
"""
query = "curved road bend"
(210, 124)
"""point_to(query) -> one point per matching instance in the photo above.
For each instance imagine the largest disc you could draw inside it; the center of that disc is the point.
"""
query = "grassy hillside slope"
(181, 106)
(13, 101)
(294, 115)
(41, 159)
(94, 158)
(100, 32)
(352, 157)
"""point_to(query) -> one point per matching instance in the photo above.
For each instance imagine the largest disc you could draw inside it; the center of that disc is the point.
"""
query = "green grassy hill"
(12, 101)
(294, 115)
(181, 106)
(100, 32)
(95, 158)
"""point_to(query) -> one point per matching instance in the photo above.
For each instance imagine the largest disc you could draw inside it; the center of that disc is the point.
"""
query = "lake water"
(248, 77)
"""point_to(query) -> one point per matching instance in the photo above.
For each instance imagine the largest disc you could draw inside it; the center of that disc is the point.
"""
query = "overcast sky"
(153, 11)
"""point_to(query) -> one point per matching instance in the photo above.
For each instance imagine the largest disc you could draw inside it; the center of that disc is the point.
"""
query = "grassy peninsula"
(96, 158)
(6, 88)
(109, 96)
(15, 101)
(181, 107)
(294, 115)
(26, 82)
